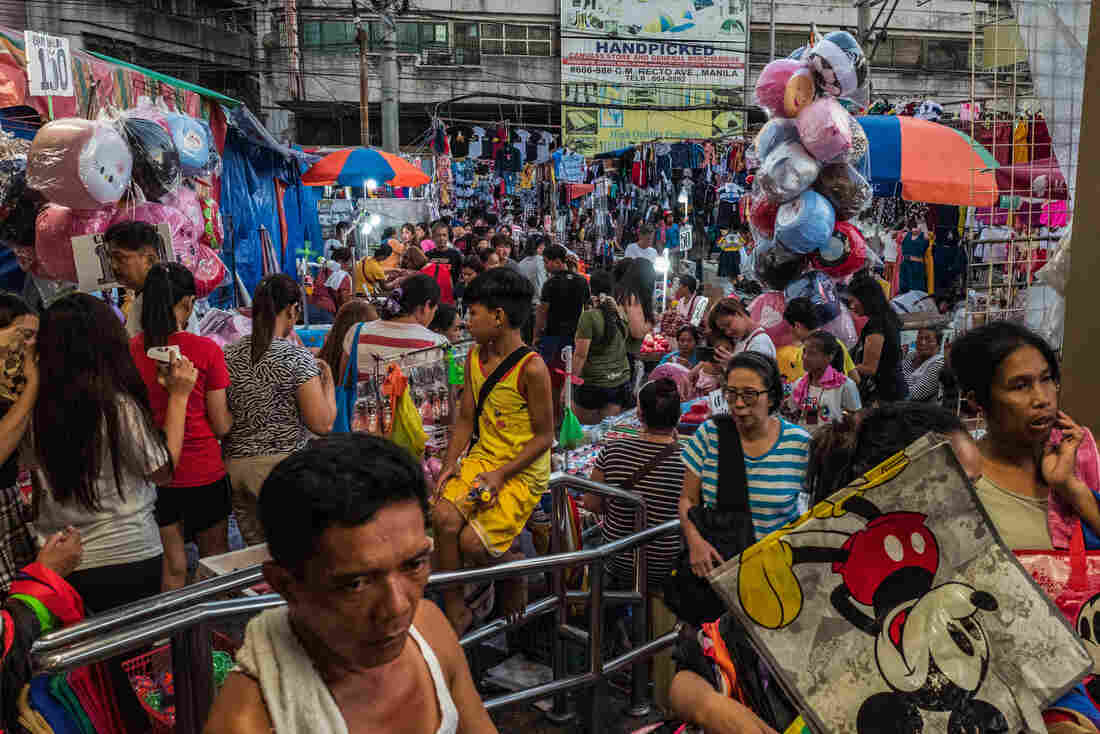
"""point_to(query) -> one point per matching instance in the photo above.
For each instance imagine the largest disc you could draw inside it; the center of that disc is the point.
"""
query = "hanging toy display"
(821, 292)
(825, 131)
(845, 188)
(192, 142)
(156, 160)
(838, 64)
(776, 266)
(805, 223)
(787, 172)
(762, 212)
(213, 233)
(79, 164)
(845, 253)
(775, 132)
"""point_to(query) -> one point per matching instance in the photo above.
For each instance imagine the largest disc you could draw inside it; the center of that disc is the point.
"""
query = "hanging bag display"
(347, 390)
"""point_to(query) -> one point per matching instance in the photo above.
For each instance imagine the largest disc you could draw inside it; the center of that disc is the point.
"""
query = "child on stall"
(482, 504)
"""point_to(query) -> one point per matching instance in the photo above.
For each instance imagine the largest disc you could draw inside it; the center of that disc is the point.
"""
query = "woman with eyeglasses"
(1029, 452)
(776, 455)
(279, 395)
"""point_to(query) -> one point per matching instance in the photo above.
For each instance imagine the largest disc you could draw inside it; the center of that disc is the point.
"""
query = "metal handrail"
(188, 596)
(124, 640)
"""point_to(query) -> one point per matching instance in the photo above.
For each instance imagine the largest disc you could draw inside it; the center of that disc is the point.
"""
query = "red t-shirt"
(201, 459)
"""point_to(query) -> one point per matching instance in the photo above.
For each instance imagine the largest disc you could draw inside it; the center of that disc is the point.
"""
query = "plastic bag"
(821, 291)
(825, 130)
(845, 188)
(845, 253)
(193, 143)
(762, 212)
(784, 87)
(838, 64)
(1056, 271)
(776, 266)
(804, 224)
(787, 172)
(408, 427)
(187, 203)
(53, 246)
(156, 160)
(767, 310)
(79, 164)
(774, 133)
(843, 327)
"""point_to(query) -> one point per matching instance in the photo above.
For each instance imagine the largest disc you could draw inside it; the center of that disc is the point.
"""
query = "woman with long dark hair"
(351, 313)
(196, 502)
(878, 352)
(279, 396)
(97, 453)
(601, 358)
(18, 391)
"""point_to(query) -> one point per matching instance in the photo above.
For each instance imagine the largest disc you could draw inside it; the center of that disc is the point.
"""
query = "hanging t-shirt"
(526, 147)
(519, 142)
(475, 142)
(572, 165)
(460, 140)
(545, 141)
(508, 159)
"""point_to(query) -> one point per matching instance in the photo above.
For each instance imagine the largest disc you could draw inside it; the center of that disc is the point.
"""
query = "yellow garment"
(791, 368)
(408, 426)
(527, 177)
(930, 267)
(367, 276)
(505, 424)
(885, 285)
(30, 719)
(501, 522)
(1019, 143)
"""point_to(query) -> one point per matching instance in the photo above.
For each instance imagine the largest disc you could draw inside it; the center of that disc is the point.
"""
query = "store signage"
(92, 256)
(49, 65)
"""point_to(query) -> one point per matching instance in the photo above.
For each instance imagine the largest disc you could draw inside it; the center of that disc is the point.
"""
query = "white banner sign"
(49, 65)
(685, 238)
(92, 256)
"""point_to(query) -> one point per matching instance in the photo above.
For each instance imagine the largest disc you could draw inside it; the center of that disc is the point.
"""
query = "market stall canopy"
(357, 166)
(930, 162)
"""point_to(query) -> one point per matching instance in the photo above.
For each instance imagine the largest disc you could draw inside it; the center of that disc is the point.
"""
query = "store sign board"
(49, 65)
(92, 256)
(685, 238)
(642, 54)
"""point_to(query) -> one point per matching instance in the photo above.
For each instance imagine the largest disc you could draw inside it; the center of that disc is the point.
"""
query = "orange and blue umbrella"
(357, 166)
(929, 162)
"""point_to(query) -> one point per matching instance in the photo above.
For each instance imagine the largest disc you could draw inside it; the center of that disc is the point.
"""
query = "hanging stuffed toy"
(838, 64)
(79, 164)
(213, 234)
(156, 160)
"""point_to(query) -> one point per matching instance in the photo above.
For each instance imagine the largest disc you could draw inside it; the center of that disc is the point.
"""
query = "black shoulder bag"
(491, 381)
(727, 526)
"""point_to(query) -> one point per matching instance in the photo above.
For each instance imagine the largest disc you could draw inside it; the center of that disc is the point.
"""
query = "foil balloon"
(774, 133)
(205, 265)
(787, 172)
(156, 160)
(187, 202)
(767, 311)
(180, 229)
(821, 291)
(213, 233)
(844, 255)
(79, 163)
(825, 131)
(845, 188)
(838, 64)
(805, 223)
(776, 266)
(192, 141)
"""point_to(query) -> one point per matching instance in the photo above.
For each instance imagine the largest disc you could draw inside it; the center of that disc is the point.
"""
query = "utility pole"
(362, 35)
(391, 106)
(863, 20)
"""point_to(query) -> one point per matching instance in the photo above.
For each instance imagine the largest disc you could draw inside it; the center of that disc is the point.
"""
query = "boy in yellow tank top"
(507, 467)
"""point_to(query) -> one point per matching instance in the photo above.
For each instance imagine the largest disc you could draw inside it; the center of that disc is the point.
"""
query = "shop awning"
(171, 80)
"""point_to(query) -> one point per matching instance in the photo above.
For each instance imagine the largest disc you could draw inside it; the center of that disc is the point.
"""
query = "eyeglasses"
(748, 395)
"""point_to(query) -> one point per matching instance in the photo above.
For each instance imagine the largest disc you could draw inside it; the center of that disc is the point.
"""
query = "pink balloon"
(767, 310)
(79, 163)
(187, 202)
(204, 263)
(825, 130)
(153, 213)
(53, 245)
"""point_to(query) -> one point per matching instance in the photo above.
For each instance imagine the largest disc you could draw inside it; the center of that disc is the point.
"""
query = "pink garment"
(427, 245)
(1060, 516)
(1055, 214)
(829, 381)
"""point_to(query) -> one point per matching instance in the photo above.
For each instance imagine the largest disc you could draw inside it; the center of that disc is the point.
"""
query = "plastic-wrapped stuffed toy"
(845, 188)
(838, 64)
(825, 131)
(156, 160)
(774, 133)
(844, 254)
(787, 172)
(213, 234)
(785, 87)
(821, 291)
(776, 266)
(805, 223)
(79, 164)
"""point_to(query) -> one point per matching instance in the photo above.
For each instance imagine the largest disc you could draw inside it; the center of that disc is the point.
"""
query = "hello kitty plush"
(79, 164)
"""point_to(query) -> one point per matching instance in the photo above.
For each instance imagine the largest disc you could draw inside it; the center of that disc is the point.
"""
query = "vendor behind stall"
(135, 247)
(601, 359)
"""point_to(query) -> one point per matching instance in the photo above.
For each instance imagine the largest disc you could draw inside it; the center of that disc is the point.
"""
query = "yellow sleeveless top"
(505, 423)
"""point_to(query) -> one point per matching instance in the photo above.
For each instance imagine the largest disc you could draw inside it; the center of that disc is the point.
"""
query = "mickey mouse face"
(1088, 626)
(105, 165)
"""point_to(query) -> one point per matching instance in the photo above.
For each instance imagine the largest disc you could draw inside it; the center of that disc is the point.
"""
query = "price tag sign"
(716, 401)
(685, 238)
(49, 65)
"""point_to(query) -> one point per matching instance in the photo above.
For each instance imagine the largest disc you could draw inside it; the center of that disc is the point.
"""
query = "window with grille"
(510, 39)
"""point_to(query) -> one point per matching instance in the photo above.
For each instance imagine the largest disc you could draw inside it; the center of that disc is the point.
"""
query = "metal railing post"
(598, 693)
(639, 674)
(560, 713)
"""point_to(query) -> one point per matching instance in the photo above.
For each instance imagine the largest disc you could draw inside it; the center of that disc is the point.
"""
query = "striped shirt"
(618, 461)
(775, 478)
(923, 380)
(388, 339)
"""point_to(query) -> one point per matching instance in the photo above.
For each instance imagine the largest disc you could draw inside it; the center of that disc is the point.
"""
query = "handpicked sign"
(49, 65)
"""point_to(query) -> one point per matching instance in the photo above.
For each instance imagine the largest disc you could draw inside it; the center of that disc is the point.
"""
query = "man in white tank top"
(356, 649)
